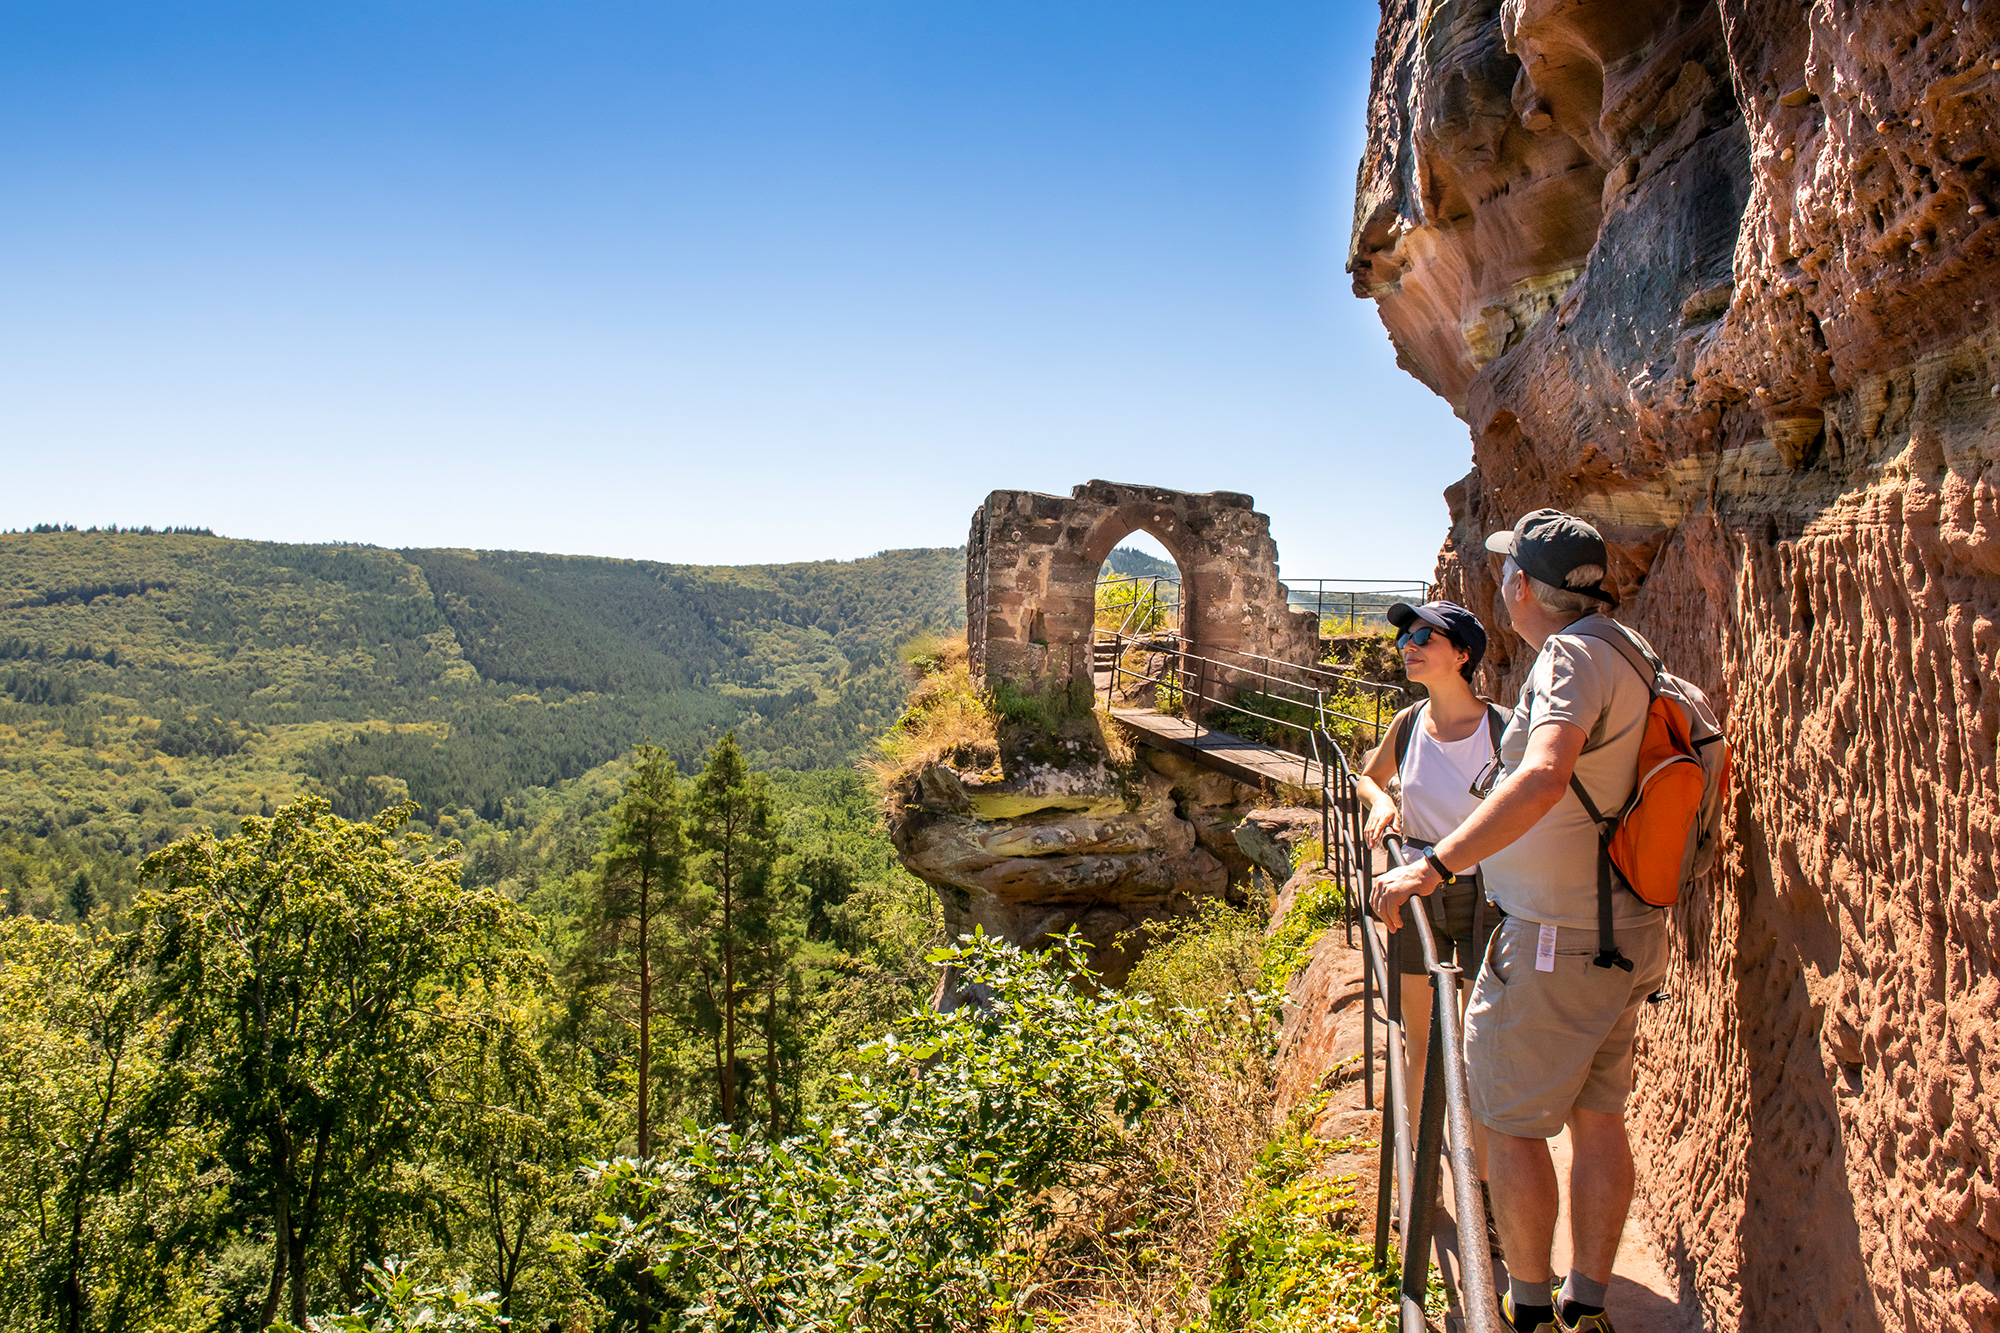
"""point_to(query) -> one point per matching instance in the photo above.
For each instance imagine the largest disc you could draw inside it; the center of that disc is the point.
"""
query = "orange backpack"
(1667, 832)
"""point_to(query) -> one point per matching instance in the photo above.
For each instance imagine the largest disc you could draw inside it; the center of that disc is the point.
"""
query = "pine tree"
(639, 891)
(748, 942)
(81, 895)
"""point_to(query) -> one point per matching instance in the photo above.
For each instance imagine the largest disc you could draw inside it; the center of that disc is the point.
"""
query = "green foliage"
(742, 935)
(634, 920)
(899, 1207)
(1316, 907)
(399, 1301)
(77, 1060)
(1129, 561)
(1291, 1259)
(1137, 606)
(1210, 969)
(154, 684)
(304, 971)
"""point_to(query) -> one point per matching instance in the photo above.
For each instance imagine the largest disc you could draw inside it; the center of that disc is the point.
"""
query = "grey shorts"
(1538, 1044)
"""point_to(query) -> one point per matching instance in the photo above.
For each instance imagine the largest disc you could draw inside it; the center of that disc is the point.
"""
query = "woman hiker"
(1444, 753)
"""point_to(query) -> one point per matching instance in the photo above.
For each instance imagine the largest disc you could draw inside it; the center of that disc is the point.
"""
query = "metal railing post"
(1444, 1122)
(1421, 1207)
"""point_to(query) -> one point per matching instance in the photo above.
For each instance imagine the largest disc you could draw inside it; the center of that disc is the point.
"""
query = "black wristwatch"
(1431, 859)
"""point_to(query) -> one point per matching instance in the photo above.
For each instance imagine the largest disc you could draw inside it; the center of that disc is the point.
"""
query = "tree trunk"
(771, 1039)
(645, 1016)
(281, 1250)
(728, 981)
(298, 1246)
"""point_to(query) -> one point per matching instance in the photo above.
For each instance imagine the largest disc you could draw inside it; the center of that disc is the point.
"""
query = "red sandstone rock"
(1724, 278)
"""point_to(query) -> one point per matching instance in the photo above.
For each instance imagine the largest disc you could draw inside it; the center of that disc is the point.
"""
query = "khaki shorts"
(1538, 1044)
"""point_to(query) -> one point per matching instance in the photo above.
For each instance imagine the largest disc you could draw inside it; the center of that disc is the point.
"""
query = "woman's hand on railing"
(1381, 820)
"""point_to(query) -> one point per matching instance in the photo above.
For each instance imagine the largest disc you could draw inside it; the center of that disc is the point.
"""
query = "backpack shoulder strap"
(1630, 647)
(1405, 725)
(1641, 659)
(1496, 723)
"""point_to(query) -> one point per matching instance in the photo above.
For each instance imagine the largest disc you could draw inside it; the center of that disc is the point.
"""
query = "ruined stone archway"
(1031, 574)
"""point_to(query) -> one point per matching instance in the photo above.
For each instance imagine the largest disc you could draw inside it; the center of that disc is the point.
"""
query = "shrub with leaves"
(1291, 1259)
(399, 1301)
(1315, 908)
(912, 1204)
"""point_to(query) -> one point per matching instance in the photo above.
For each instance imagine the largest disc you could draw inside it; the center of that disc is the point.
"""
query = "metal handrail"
(1314, 668)
(1446, 1105)
(1316, 699)
(1299, 598)
(1139, 599)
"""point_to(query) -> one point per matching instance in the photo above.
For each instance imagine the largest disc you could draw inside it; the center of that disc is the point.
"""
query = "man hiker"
(1548, 1031)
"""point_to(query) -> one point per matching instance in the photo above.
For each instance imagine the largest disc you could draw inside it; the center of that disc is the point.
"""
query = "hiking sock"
(1580, 1296)
(1532, 1307)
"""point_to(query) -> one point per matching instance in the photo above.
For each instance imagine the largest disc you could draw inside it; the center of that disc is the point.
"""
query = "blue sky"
(713, 283)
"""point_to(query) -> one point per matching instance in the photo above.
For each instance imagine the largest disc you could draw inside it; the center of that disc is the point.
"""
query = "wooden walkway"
(1247, 761)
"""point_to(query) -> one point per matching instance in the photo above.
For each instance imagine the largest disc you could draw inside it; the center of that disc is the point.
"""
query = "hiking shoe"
(1590, 1323)
(1548, 1325)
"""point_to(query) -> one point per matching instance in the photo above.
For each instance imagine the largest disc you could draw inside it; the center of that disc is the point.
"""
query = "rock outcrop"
(1723, 278)
(1099, 846)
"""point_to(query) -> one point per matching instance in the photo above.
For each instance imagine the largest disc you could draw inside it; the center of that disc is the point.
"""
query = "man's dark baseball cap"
(1460, 625)
(1548, 544)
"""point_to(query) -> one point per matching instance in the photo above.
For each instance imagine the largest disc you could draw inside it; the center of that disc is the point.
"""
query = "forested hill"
(150, 682)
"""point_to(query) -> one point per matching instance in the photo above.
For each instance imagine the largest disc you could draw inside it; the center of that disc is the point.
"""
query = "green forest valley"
(413, 939)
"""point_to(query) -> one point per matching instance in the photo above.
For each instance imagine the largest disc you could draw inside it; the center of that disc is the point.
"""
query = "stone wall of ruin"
(1031, 573)
(1723, 278)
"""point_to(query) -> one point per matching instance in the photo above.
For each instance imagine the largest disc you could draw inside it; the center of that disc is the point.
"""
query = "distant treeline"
(143, 530)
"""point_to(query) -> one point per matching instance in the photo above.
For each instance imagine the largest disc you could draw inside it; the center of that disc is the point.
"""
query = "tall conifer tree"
(747, 947)
(640, 892)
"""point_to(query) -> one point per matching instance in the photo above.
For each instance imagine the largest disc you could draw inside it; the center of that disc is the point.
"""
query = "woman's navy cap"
(1459, 624)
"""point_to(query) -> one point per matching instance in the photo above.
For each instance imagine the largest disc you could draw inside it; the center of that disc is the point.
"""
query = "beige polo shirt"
(1549, 874)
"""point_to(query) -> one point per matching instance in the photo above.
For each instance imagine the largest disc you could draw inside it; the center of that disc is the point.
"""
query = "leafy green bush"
(1291, 1259)
(909, 1204)
(1316, 906)
(398, 1302)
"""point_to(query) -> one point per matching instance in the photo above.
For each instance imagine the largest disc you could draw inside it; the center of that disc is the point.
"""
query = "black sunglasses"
(1420, 636)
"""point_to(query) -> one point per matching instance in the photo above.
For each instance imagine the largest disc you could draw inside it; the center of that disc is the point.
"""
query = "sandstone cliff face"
(1723, 278)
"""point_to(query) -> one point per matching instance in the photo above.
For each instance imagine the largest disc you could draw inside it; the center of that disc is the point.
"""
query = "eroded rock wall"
(1723, 278)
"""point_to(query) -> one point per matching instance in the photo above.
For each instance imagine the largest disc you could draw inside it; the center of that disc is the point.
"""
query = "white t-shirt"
(1437, 778)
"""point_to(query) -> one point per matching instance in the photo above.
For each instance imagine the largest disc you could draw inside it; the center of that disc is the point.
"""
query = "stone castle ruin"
(1061, 835)
(1032, 560)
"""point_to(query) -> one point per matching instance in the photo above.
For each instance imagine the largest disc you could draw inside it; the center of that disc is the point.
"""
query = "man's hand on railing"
(1398, 886)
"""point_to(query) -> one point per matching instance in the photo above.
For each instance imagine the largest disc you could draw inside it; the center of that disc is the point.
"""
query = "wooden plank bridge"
(1253, 762)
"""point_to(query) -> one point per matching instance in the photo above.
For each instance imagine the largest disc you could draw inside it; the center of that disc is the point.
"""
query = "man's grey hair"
(1562, 601)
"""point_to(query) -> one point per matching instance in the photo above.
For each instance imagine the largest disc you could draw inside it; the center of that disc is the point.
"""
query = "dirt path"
(1322, 1046)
